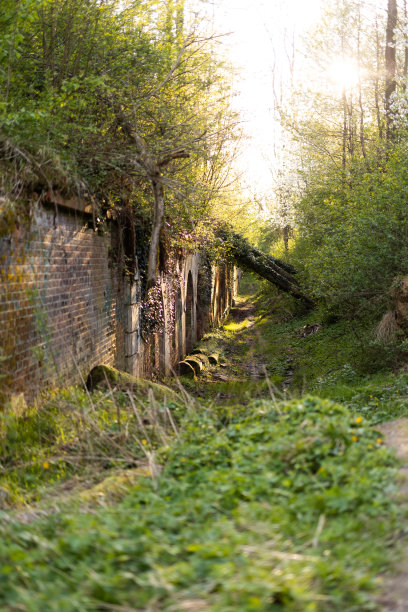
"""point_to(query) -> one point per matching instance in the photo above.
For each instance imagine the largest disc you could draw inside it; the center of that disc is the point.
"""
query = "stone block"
(132, 343)
(132, 318)
(132, 293)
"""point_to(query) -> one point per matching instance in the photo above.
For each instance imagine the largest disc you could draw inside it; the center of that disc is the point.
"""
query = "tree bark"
(158, 215)
(153, 171)
(405, 70)
(390, 64)
(344, 135)
(377, 83)
(285, 234)
(273, 270)
(360, 93)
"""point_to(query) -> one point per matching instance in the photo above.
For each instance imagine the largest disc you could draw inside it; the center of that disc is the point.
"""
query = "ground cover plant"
(262, 485)
(237, 491)
(341, 360)
(281, 506)
(73, 439)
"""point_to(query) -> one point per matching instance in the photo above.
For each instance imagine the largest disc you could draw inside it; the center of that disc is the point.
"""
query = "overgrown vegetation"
(125, 104)
(352, 242)
(282, 506)
(264, 486)
(339, 359)
(220, 495)
(78, 435)
(339, 209)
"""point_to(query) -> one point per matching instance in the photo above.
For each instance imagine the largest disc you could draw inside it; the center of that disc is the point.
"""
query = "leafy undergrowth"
(221, 498)
(379, 398)
(278, 506)
(333, 363)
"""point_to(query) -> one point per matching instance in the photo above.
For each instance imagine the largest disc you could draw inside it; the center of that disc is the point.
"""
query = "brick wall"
(59, 297)
(66, 306)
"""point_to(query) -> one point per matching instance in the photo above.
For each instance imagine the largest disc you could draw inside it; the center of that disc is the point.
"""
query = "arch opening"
(189, 305)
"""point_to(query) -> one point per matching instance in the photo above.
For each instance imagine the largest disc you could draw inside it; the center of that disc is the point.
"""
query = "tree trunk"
(390, 64)
(344, 135)
(360, 93)
(273, 270)
(153, 171)
(377, 83)
(158, 214)
(285, 233)
(405, 70)
(351, 130)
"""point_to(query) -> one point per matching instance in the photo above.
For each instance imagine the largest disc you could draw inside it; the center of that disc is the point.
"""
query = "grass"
(73, 436)
(342, 361)
(229, 497)
(282, 506)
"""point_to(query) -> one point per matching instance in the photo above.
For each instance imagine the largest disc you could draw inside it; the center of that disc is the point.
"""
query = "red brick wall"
(65, 305)
(59, 297)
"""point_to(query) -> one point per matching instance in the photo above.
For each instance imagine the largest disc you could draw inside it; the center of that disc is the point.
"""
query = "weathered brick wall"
(66, 305)
(59, 298)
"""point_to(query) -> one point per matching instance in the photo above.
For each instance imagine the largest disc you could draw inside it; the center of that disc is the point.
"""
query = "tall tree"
(390, 63)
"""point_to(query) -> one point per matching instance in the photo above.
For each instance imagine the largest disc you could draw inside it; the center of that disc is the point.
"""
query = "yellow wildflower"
(379, 441)
(354, 438)
(144, 442)
(46, 465)
(359, 419)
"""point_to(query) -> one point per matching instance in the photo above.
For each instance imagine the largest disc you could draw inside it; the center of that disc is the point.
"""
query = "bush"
(352, 239)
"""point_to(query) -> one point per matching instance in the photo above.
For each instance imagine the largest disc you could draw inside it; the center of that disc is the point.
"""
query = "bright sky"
(261, 39)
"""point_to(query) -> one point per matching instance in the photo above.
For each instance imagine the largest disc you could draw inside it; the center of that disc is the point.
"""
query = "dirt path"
(243, 348)
(252, 364)
(395, 591)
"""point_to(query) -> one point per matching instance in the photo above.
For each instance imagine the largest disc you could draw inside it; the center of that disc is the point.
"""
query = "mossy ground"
(266, 350)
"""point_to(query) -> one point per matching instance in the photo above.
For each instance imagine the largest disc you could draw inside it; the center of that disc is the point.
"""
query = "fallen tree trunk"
(273, 270)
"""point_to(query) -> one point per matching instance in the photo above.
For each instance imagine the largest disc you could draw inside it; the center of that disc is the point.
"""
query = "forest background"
(129, 104)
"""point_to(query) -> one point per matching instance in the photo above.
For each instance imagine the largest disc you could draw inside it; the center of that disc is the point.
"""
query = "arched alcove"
(189, 304)
(177, 341)
(203, 298)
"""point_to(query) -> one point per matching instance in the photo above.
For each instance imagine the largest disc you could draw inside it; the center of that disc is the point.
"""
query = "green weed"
(228, 501)
(280, 507)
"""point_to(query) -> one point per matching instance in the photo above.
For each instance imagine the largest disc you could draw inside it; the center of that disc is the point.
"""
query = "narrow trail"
(269, 522)
(250, 364)
(245, 348)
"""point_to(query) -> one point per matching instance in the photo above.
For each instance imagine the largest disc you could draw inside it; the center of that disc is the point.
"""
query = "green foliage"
(311, 357)
(353, 236)
(248, 503)
(349, 155)
(378, 398)
(71, 66)
(285, 507)
(341, 361)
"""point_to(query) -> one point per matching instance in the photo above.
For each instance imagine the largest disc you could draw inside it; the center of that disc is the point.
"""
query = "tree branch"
(175, 155)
